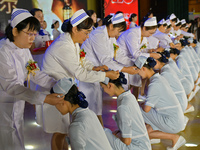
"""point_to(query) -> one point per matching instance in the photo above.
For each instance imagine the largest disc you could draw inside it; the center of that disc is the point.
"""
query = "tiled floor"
(37, 139)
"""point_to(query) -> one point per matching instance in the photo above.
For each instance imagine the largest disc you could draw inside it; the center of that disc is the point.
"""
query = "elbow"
(128, 143)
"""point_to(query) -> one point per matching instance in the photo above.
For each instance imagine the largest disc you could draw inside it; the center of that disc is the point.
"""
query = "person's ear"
(74, 29)
(15, 32)
(111, 26)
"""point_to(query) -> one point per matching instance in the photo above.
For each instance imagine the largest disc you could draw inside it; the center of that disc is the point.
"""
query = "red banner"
(126, 6)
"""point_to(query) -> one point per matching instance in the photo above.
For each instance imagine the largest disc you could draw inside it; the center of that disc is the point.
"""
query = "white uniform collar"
(11, 44)
(154, 76)
(120, 97)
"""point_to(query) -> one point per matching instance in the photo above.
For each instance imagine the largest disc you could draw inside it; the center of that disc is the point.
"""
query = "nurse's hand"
(155, 55)
(100, 68)
(113, 75)
(54, 99)
(130, 70)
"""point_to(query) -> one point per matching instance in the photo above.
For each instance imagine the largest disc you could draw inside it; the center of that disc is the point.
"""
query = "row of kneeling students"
(161, 61)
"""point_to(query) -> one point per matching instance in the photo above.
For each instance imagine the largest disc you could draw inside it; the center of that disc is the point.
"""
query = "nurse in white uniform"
(133, 43)
(14, 56)
(55, 25)
(133, 18)
(63, 58)
(131, 133)
(161, 111)
(85, 130)
(102, 49)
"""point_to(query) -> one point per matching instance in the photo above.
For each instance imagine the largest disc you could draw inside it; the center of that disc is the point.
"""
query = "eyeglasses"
(29, 34)
(87, 33)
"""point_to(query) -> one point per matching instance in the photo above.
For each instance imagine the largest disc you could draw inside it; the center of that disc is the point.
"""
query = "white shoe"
(181, 141)
(191, 109)
(155, 141)
(191, 96)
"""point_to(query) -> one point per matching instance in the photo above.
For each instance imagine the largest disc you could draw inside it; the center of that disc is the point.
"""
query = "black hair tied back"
(163, 58)
(81, 100)
(66, 26)
(166, 53)
(151, 62)
(122, 78)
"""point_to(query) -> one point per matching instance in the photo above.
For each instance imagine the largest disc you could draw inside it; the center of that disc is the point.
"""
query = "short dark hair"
(32, 11)
(118, 12)
(53, 25)
(179, 24)
(90, 12)
(86, 24)
(34, 25)
(174, 20)
(132, 16)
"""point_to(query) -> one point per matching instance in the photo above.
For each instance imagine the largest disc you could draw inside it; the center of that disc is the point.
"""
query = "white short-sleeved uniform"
(197, 49)
(189, 61)
(132, 25)
(55, 33)
(185, 82)
(168, 73)
(132, 46)
(166, 114)
(86, 132)
(184, 68)
(130, 123)
(13, 93)
(62, 59)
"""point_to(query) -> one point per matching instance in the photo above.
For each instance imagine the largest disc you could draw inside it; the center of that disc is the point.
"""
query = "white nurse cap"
(63, 86)
(18, 15)
(54, 21)
(118, 18)
(172, 16)
(162, 21)
(78, 17)
(178, 21)
(168, 22)
(150, 22)
(183, 21)
(140, 61)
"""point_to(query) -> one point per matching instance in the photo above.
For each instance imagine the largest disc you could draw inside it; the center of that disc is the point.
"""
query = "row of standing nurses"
(15, 59)
(102, 49)
(63, 58)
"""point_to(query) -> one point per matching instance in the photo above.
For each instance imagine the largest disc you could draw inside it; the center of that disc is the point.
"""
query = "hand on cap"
(54, 99)
(155, 55)
(131, 70)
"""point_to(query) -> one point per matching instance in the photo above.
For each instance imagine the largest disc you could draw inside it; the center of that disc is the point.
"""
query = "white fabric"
(62, 59)
(168, 22)
(55, 33)
(132, 25)
(183, 21)
(118, 18)
(153, 42)
(178, 21)
(18, 15)
(78, 17)
(162, 21)
(187, 34)
(13, 93)
(86, 132)
(172, 16)
(63, 86)
(150, 22)
(140, 61)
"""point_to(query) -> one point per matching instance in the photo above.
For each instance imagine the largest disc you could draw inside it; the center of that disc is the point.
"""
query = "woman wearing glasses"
(65, 59)
(15, 60)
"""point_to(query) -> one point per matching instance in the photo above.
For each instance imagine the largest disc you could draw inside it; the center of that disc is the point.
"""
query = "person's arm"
(134, 46)
(36, 52)
(125, 126)
(102, 51)
(12, 86)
